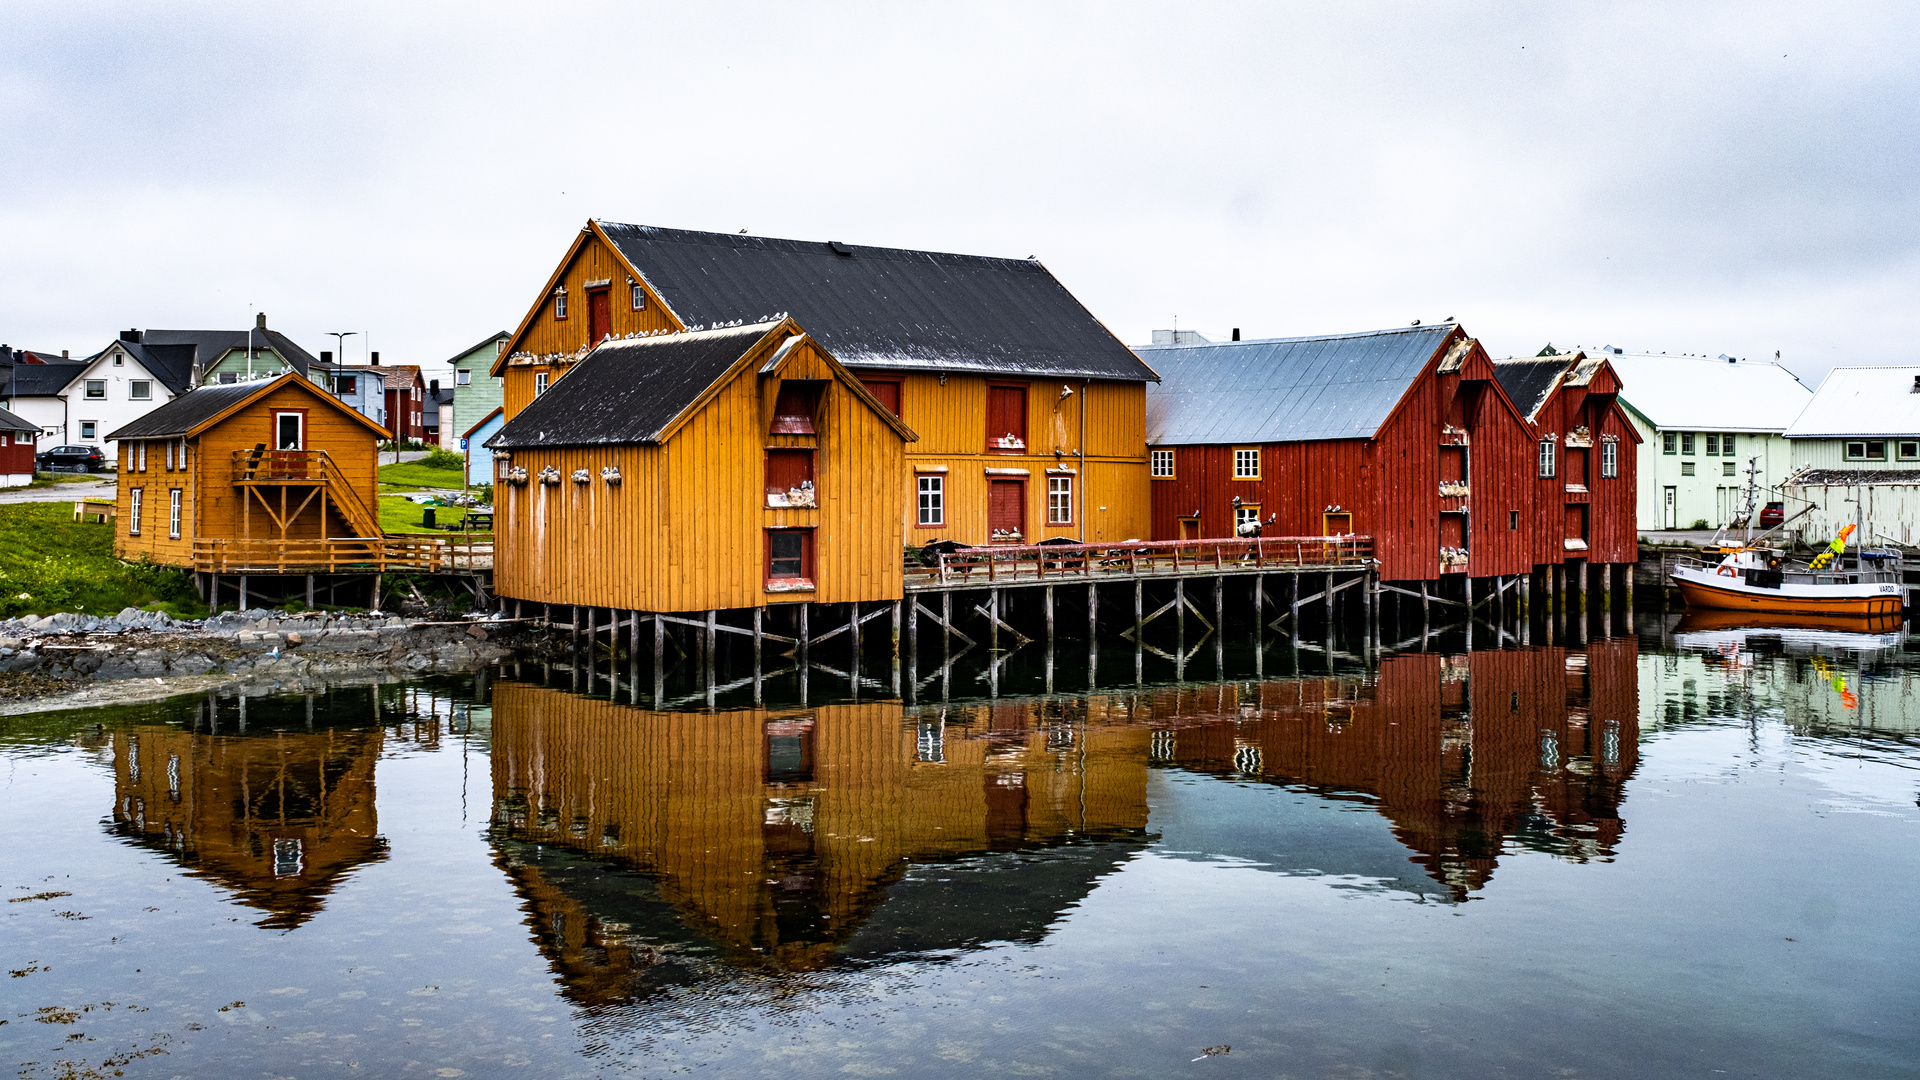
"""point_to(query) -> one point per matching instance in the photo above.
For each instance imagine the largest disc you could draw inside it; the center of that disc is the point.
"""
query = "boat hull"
(1719, 591)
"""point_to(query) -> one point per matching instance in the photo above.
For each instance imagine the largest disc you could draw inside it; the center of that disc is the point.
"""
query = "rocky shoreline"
(68, 661)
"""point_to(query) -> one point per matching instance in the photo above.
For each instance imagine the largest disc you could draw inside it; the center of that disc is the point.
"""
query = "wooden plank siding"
(685, 528)
(213, 506)
(1612, 531)
(948, 412)
(1389, 483)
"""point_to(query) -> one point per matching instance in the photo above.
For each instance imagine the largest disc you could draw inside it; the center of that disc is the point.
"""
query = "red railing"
(1156, 558)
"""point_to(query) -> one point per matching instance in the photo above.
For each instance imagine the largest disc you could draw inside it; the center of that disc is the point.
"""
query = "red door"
(599, 315)
(1007, 509)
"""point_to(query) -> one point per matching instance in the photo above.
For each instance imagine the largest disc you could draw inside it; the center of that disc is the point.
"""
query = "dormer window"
(793, 409)
(559, 303)
(639, 296)
(119, 359)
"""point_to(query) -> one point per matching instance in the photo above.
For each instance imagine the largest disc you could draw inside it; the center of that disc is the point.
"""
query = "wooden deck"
(1059, 564)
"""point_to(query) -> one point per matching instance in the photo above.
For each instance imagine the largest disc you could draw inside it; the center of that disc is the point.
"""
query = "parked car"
(71, 459)
(1772, 514)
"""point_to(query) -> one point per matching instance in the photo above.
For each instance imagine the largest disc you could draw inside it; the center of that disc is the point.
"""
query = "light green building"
(475, 393)
(1702, 421)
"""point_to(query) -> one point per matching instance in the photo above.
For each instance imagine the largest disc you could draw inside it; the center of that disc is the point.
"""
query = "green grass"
(49, 563)
(47, 480)
(414, 475)
(397, 515)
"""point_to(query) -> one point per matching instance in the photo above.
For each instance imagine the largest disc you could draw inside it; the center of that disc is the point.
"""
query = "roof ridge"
(1348, 336)
(672, 233)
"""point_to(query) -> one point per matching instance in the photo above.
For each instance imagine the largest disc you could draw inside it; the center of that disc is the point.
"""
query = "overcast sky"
(1736, 178)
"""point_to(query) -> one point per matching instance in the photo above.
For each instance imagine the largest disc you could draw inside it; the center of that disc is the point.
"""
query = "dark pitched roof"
(442, 396)
(42, 380)
(211, 345)
(1341, 386)
(628, 390)
(1530, 382)
(10, 422)
(171, 364)
(190, 410)
(488, 340)
(883, 307)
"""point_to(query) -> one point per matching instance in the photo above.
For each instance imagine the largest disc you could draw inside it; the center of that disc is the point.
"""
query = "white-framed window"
(96, 389)
(933, 499)
(87, 428)
(140, 390)
(134, 499)
(173, 513)
(140, 456)
(1163, 464)
(119, 359)
(539, 383)
(289, 431)
(463, 378)
(180, 459)
(639, 297)
(1609, 459)
(560, 303)
(1059, 500)
(1547, 457)
(1246, 463)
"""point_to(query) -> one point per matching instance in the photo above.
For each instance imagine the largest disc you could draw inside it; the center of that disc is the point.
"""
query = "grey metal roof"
(211, 345)
(628, 390)
(1850, 477)
(42, 380)
(1341, 386)
(10, 422)
(1529, 381)
(883, 307)
(190, 410)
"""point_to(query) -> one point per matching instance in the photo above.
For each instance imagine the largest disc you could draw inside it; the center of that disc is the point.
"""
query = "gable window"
(119, 359)
(1609, 459)
(1686, 443)
(1163, 464)
(639, 298)
(1909, 450)
(885, 391)
(289, 431)
(463, 378)
(134, 499)
(140, 390)
(795, 405)
(559, 303)
(173, 513)
(790, 478)
(1246, 463)
(539, 383)
(1669, 443)
(1547, 462)
(96, 389)
(933, 499)
(1059, 500)
(1006, 419)
(789, 556)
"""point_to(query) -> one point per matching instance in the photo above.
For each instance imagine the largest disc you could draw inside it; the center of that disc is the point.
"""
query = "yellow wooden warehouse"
(1030, 413)
(717, 469)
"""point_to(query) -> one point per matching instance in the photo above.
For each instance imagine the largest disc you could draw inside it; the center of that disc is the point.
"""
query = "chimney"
(433, 386)
(260, 320)
(1916, 385)
(1236, 333)
(374, 359)
(326, 357)
(130, 335)
(64, 356)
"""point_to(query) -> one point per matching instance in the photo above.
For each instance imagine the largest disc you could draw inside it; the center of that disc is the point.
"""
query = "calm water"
(1690, 854)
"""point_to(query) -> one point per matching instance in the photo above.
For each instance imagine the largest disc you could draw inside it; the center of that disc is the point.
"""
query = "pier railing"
(995, 564)
(424, 554)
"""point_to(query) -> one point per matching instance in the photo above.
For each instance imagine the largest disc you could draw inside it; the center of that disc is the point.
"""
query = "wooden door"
(599, 315)
(1577, 467)
(1190, 528)
(1453, 531)
(1006, 509)
(1577, 522)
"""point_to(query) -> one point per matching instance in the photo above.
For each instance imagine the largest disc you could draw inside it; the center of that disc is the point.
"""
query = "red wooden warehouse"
(1404, 435)
(1584, 455)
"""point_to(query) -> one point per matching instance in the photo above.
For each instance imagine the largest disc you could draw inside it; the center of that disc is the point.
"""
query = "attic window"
(559, 303)
(639, 296)
(793, 410)
(119, 359)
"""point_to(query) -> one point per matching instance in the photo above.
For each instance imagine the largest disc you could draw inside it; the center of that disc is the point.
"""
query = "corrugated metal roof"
(10, 422)
(1341, 386)
(1696, 393)
(43, 380)
(190, 410)
(1529, 381)
(883, 307)
(1851, 477)
(1861, 401)
(628, 390)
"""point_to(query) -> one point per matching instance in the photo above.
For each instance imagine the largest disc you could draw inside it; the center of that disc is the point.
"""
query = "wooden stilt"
(243, 599)
(1049, 592)
(993, 620)
(896, 646)
(805, 638)
(309, 604)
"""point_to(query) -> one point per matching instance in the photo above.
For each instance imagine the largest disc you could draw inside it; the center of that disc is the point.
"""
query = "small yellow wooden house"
(268, 476)
(1031, 414)
(719, 469)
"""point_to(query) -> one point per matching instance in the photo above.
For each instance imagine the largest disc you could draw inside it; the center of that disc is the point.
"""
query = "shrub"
(1699, 523)
(442, 458)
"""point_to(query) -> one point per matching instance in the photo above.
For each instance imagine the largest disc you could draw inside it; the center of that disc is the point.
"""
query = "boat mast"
(1753, 492)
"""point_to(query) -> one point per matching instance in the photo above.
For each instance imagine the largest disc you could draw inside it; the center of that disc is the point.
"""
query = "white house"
(1702, 419)
(33, 393)
(127, 380)
(1855, 451)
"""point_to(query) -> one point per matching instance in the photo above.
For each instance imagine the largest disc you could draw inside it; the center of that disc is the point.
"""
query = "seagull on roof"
(743, 232)
(1416, 322)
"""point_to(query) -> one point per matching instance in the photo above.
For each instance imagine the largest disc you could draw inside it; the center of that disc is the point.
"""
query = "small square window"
(463, 378)
(933, 500)
(1163, 464)
(87, 428)
(96, 389)
(119, 359)
(346, 384)
(1727, 467)
(1669, 443)
(1876, 451)
(639, 297)
(229, 376)
(1909, 450)
(1246, 463)
(1246, 520)
(789, 554)
(140, 390)
(1686, 468)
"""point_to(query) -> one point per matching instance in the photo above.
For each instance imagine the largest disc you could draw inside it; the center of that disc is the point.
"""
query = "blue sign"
(463, 442)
